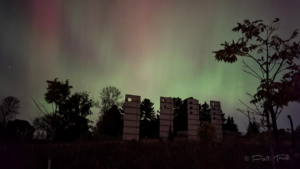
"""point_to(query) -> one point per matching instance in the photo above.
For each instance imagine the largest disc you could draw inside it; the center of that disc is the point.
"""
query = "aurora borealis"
(150, 48)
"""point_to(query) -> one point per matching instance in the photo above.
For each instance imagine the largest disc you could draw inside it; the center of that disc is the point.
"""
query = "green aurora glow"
(150, 48)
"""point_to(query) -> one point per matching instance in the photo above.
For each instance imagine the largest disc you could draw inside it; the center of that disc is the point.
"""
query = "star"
(9, 67)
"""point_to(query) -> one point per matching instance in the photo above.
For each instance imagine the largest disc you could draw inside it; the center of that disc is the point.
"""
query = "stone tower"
(193, 118)
(131, 117)
(216, 118)
(166, 116)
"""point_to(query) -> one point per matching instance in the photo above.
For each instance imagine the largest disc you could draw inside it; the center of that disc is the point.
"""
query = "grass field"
(144, 154)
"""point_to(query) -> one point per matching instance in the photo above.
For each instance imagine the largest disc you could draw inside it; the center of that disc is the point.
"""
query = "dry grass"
(145, 154)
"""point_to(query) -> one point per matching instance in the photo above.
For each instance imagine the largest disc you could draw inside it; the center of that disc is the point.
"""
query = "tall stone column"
(193, 118)
(216, 118)
(131, 117)
(166, 116)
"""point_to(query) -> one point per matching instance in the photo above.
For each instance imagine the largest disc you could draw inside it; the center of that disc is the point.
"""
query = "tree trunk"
(275, 130)
(292, 126)
(270, 140)
(4, 118)
(249, 126)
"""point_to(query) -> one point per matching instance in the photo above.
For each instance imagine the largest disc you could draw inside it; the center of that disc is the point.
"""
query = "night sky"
(150, 48)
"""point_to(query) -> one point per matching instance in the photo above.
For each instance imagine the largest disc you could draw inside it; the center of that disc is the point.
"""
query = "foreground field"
(144, 154)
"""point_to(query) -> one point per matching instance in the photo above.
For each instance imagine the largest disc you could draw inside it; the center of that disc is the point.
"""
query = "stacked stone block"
(166, 116)
(131, 117)
(193, 118)
(216, 118)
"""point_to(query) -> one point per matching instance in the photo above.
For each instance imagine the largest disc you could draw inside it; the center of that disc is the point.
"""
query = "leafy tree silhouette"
(42, 127)
(111, 122)
(177, 102)
(180, 118)
(278, 54)
(147, 117)
(110, 96)
(68, 119)
(230, 125)
(19, 128)
(204, 113)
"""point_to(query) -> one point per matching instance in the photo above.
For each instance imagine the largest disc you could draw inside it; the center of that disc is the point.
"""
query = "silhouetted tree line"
(230, 125)
(67, 120)
(18, 129)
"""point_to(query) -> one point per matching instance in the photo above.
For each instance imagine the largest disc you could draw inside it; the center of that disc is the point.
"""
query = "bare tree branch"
(252, 74)
(242, 111)
(257, 62)
(278, 114)
(283, 69)
(252, 70)
(250, 108)
(38, 107)
(254, 104)
(273, 66)
(277, 71)
(44, 108)
(263, 75)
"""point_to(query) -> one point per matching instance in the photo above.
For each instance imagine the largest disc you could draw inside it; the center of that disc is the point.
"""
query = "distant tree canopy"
(204, 113)
(111, 122)
(19, 128)
(8, 109)
(180, 118)
(223, 118)
(149, 124)
(177, 114)
(230, 125)
(177, 102)
(42, 127)
(68, 118)
(110, 96)
(252, 129)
